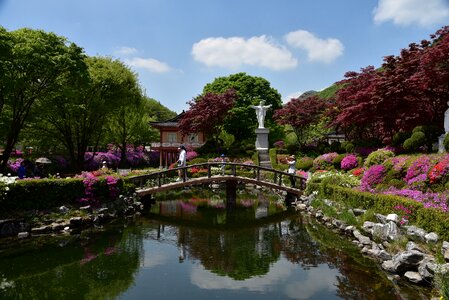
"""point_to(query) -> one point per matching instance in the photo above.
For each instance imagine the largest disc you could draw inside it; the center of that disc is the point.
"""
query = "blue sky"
(178, 46)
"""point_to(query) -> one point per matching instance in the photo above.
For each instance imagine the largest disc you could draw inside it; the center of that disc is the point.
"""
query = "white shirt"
(182, 162)
(291, 166)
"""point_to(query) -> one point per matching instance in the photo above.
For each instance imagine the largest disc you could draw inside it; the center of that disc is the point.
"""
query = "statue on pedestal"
(261, 111)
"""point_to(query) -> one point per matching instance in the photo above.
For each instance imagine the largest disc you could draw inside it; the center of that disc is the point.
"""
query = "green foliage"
(336, 147)
(418, 139)
(348, 146)
(329, 92)
(42, 194)
(337, 161)
(197, 160)
(378, 157)
(400, 137)
(304, 163)
(242, 120)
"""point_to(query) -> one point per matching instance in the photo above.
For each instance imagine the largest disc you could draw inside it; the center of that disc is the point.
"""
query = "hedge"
(26, 195)
(430, 219)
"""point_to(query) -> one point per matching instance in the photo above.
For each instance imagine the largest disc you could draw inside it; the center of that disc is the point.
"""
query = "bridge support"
(231, 194)
(289, 199)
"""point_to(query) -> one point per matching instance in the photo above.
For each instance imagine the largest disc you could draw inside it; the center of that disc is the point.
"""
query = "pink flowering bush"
(372, 177)
(324, 161)
(416, 176)
(93, 190)
(428, 199)
(349, 162)
(279, 144)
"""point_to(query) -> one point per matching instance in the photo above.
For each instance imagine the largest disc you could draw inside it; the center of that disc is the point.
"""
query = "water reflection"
(197, 250)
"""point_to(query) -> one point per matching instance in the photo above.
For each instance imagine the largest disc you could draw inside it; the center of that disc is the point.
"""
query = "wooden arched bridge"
(216, 172)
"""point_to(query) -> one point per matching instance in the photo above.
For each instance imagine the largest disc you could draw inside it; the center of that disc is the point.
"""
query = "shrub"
(337, 161)
(416, 176)
(324, 162)
(400, 137)
(440, 171)
(349, 162)
(336, 147)
(446, 142)
(348, 146)
(304, 163)
(378, 157)
(197, 160)
(417, 140)
(372, 177)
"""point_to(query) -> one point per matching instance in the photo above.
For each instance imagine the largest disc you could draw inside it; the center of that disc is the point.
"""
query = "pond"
(198, 248)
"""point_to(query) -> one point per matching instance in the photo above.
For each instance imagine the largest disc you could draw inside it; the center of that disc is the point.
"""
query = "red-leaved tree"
(300, 114)
(207, 113)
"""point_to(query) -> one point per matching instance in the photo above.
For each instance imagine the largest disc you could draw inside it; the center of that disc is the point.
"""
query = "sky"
(176, 47)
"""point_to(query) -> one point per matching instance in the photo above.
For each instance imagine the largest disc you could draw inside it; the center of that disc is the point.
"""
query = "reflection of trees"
(101, 268)
(239, 254)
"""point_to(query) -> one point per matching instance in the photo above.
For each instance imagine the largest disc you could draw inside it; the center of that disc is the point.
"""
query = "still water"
(197, 249)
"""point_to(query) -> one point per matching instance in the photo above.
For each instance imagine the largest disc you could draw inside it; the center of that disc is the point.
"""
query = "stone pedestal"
(262, 138)
(440, 143)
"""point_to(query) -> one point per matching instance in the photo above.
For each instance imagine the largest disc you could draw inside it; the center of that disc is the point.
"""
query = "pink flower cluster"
(324, 161)
(428, 199)
(417, 172)
(373, 176)
(349, 162)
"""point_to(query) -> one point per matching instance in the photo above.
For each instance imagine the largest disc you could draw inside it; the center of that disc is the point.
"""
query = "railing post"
(209, 173)
(258, 174)
(233, 170)
(184, 172)
(159, 183)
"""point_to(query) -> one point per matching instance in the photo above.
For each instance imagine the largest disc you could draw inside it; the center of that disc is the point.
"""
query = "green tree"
(34, 66)
(250, 90)
(78, 117)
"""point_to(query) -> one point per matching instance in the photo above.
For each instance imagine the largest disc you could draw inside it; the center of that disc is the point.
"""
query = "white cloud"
(406, 12)
(317, 49)
(150, 64)
(126, 51)
(234, 52)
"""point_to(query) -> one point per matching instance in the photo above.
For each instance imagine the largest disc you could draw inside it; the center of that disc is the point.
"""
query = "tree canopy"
(250, 90)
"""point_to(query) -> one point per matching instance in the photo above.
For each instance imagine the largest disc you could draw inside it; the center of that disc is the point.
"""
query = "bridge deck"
(216, 178)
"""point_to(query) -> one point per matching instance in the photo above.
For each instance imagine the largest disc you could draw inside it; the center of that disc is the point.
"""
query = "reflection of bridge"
(216, 172)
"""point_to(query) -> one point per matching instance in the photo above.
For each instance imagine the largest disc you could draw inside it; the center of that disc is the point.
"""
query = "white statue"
(261, 111)
(446, 119)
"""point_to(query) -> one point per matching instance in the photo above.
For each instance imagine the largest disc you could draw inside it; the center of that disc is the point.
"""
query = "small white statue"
(261, 111)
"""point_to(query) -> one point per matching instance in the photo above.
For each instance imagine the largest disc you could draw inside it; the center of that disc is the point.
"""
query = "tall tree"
(301, 114)
(78, 117)
(34, 66)
(242, 120)
(207, 113)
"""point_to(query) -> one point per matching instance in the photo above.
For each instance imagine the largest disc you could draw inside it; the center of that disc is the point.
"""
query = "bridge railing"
(218, 169)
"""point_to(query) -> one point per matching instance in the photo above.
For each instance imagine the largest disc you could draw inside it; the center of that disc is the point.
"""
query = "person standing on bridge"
(182, 162)
(291, 161)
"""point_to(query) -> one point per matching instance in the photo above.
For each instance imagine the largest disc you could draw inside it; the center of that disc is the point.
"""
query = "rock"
(12, 227)
(76, 222)
(57, 226)
(413, 277)
(23, 235)
(41, 230)
(445, 250)
(84, 208)
(358, 212)
(368, 226)
(416, 233)
(362, 239)
(427, 269)
(431, 238)
(388, 266)
(63, 209)
(407, 261)
(381, 218)
(392, 218)
(412, 246)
